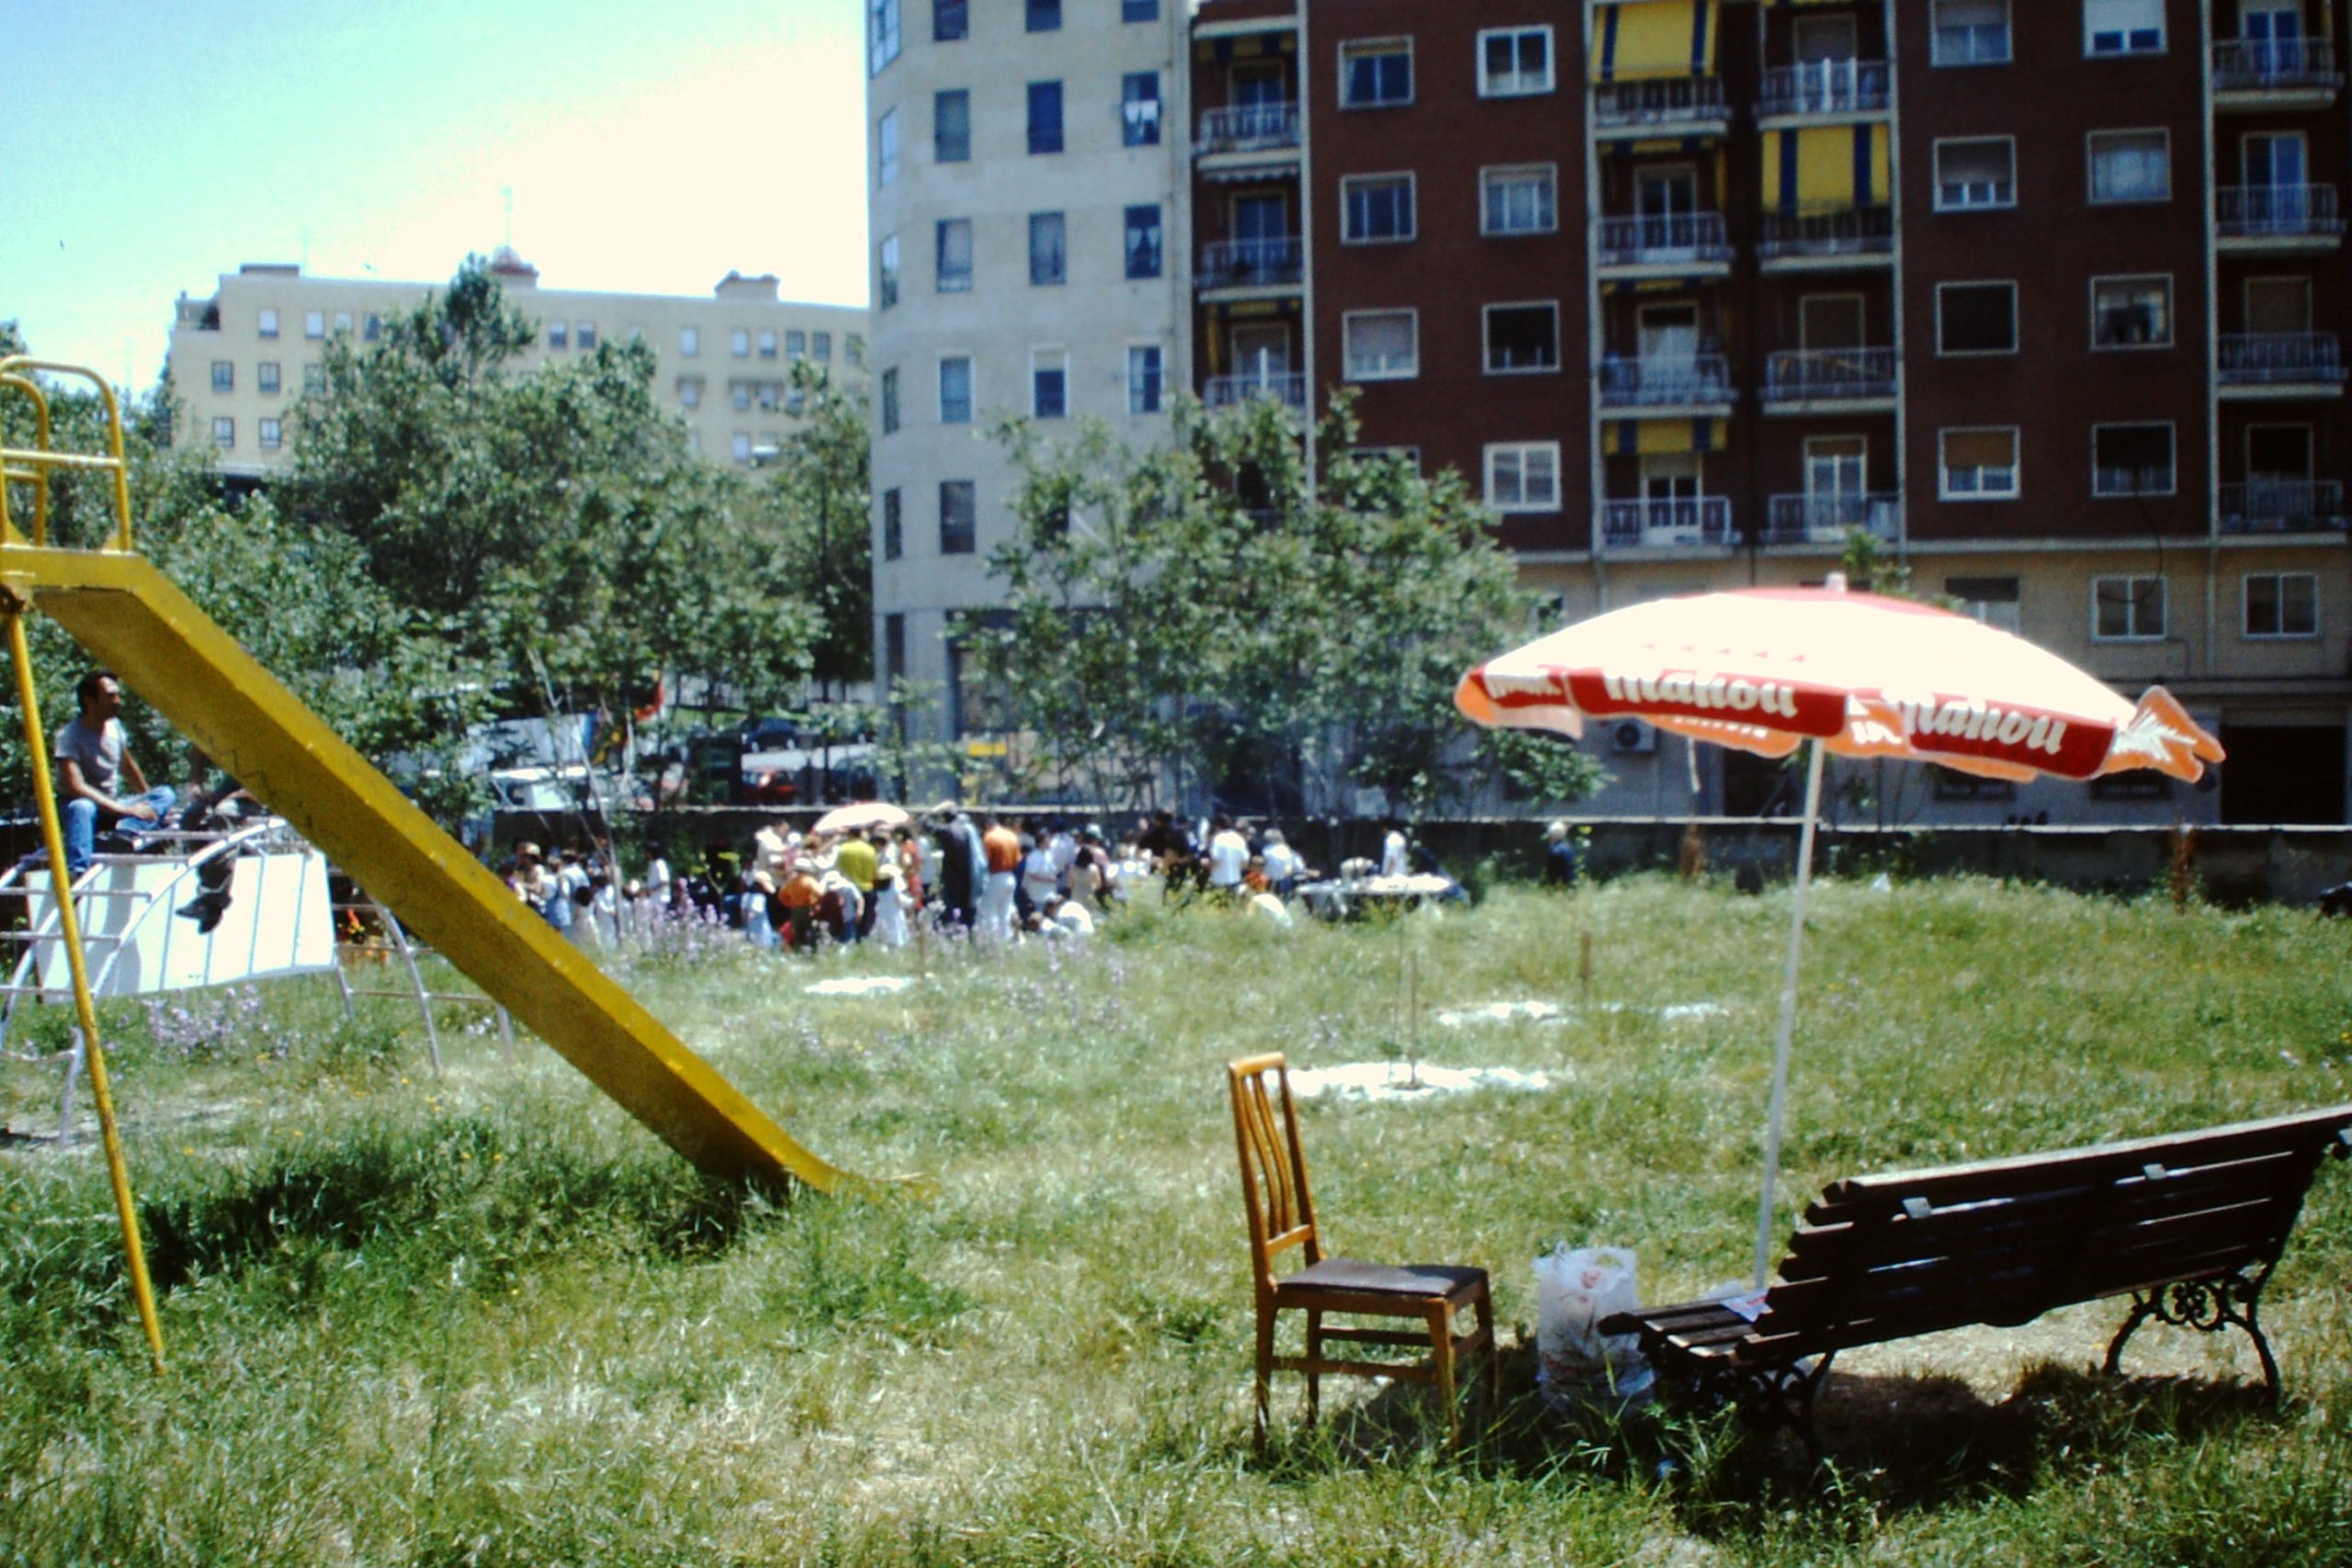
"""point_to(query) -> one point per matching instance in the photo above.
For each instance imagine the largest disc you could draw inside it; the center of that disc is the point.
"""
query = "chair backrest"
(1274, 1168)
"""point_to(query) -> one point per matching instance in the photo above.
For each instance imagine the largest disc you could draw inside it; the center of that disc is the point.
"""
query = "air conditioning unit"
(1632, 736)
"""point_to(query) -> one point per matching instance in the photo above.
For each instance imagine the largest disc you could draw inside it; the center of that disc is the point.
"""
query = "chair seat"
(1410, 1281)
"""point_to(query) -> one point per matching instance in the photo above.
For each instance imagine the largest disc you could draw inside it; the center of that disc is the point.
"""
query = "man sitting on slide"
(92, 763)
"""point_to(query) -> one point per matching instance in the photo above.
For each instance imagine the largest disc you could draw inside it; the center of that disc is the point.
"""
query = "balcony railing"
(1250, 264)
(1854, 231)
(2276, 65)
(1827, 375)
(1683, 520)
(1824, 86)
(2269, 359)
(1232, 391)
(2274, 212)
(1662, 241)
(2282, 506)
(1248, 127)
(1688, 382)
(1821, 518)
(1672, 100)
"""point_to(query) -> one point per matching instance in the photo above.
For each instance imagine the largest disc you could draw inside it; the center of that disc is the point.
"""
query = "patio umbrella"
(860, 816)
(1859, 675)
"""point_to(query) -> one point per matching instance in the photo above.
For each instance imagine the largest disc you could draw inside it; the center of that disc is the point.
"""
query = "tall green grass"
(485, 1318)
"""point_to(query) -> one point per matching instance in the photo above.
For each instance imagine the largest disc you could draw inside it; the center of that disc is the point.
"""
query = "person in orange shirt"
(796, 902)
(1001, 847)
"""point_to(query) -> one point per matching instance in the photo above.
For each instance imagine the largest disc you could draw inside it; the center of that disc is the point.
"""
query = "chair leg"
(1314, 1353)
(1494, 1355)
(1265, 1368)
(1441, 1320)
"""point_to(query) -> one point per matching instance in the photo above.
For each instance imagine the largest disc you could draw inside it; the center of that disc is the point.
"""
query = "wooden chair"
(1281, 1218)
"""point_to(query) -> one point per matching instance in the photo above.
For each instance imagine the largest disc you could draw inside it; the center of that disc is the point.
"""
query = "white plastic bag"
(1574, 1290)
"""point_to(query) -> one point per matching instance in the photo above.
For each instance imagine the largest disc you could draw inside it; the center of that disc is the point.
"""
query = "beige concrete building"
(242, 359)
(1030, 256)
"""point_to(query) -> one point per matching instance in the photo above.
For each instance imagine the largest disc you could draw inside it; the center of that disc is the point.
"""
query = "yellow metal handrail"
(33, 465)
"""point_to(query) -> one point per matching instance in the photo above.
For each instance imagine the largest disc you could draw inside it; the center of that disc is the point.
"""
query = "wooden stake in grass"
(1584, 964)
(2183, 867)
(1693, 857)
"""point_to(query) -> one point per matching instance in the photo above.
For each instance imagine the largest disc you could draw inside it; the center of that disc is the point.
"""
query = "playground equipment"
(129, 617)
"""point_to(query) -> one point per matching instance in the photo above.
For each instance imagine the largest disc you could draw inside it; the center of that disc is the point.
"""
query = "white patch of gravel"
(860, 986)
(1400, 1080)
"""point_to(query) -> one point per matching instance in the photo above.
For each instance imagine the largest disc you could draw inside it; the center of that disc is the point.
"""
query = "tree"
(817, 488)
(1220, 605)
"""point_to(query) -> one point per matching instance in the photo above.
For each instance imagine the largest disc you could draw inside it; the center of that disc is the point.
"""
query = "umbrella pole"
(1765, 1203)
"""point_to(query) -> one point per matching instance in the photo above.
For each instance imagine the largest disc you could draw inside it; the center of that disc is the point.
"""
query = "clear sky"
(148, 147)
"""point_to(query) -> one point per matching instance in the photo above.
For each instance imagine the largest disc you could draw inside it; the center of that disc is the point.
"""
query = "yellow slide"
(134, 621)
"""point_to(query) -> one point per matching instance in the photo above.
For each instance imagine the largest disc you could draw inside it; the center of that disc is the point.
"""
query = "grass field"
(484, 1318)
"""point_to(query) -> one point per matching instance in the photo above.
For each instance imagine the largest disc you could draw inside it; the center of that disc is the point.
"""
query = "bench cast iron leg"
(2208, 1306)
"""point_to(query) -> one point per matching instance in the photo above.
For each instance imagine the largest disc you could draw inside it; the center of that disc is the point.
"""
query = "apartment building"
(242, 358)
(2047, 297)
(1030, 259)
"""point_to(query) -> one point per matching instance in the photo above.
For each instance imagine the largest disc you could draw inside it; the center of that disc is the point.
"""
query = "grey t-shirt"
(97, 751)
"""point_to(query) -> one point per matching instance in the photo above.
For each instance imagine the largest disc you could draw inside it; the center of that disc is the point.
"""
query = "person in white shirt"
(1284, 864)
(1228, 857)
(1040, 879)
(1393, 852)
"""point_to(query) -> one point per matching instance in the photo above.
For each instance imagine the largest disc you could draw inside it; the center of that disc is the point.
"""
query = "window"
(371, 327)
(881, 34)
(2126, 609)
(2130, 165)
(795, 343)
(1970, 32)
(2131, 460)
(266, 322)
(1978, 173)
(954, 255)
(1523, 476)
(690, 341)
(889, 399)
(1049, 384)
(272, 435)
(739, 344)
(1992, 599)
(584, 334)
(2131, 312)
(951, 126)
(739, 396)
(821, 347)
(2281, 604)
(956, 389)
(1376, 73)
(855, 348)
(1519, 201)
(956, 511)
(893, 645)
(1978, 465)
(224, 433)
(1144, 377)
(740, 447)
(950, 20)
(1049, 250)
(894, 537)
(1044, 117)
(1977, 318)
(1139, 109)
(314, 324)
(690, 391)
(1514, 62)
(1044, 16)
(1381, 346)
(224, 375)
(558, 336)
(314, 378)
(1376, 208)
(766, 342)
(1142, 243)
(266, 375)
(1522, 338)
(2123, 26)
(1139, 10)
(885, 148)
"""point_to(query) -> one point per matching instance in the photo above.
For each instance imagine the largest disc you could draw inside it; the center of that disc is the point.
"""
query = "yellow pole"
(69, 925)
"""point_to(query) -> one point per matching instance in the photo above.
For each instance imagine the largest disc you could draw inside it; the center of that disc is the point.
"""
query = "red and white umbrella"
(858, 818)
(1859, 675)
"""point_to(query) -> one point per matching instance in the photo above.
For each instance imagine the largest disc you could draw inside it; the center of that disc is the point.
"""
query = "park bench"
(2189, 1226)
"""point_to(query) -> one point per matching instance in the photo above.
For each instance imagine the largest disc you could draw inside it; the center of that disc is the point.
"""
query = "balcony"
(1250, 263)
(1854, 236)
(1248, 127)
(2281, 364)
(1827, 517)
(1695, 383)
(1665, 523)
(1678, 242)
(1841, 380)
(2277, 218)
(1674, 104)
(1232, 391)
(2266, 73)
(2283, 506)
(1823, 90)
